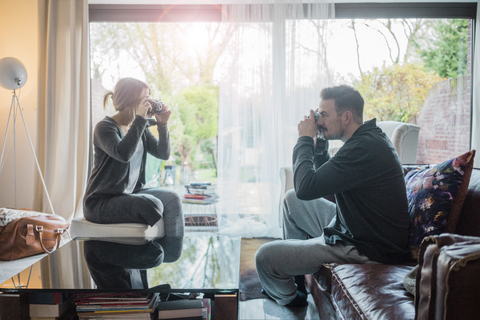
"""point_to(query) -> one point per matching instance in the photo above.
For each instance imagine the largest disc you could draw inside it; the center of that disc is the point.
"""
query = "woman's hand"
(162, 118)
(143, 108)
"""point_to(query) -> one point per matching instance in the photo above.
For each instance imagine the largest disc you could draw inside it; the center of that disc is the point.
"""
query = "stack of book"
(200, 193)
(116, 305)
(194, 309)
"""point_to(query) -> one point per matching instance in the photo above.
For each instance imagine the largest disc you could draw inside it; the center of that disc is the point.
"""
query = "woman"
(115, 192)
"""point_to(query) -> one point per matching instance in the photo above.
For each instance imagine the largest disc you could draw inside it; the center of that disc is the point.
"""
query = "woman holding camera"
(115, 190)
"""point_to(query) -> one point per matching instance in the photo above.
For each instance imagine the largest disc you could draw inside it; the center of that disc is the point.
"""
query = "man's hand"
(307, 127)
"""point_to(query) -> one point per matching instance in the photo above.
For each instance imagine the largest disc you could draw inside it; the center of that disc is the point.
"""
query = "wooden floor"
(268, 309)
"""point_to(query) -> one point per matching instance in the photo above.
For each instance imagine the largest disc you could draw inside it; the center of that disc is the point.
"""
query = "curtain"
(63, 113)
(276, 70)
(64, 118)
(476, 89)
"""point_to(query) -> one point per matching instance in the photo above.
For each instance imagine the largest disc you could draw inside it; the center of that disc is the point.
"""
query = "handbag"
(31, 235)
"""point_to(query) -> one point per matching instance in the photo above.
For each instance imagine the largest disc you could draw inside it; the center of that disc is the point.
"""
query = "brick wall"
(445, 118)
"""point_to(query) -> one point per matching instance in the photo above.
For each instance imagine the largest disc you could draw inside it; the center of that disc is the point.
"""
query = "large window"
(231, 85)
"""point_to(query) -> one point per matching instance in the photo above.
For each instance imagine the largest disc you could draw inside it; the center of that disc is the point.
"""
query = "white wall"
(19, 39)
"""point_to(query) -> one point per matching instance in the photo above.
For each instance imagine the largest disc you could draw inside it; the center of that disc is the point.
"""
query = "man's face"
(330, 122)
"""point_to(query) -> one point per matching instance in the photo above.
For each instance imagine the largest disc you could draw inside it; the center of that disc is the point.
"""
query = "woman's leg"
(172, 210)
(125, 208)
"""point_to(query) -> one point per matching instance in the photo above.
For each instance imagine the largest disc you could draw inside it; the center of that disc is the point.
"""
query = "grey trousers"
(144, 206)
(278, 262)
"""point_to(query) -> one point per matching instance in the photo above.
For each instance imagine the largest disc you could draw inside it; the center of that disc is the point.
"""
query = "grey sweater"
(113, 151)
(366, 177)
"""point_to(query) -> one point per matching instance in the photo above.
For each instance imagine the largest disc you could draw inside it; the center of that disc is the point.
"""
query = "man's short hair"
(346, 98)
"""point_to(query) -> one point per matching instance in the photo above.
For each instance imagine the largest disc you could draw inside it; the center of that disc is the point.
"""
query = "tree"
(395, 92)
(392, 31)
(446, 53)
(198, 109)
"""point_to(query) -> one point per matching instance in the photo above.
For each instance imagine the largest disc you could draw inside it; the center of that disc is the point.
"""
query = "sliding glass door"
(240, 80)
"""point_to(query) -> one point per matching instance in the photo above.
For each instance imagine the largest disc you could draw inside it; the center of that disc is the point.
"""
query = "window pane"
(178, 62)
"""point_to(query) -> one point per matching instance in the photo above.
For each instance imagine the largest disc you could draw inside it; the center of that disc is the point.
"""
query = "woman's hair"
(126, 93)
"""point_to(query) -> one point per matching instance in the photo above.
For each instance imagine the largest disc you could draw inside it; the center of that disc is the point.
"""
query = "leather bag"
(29, 236)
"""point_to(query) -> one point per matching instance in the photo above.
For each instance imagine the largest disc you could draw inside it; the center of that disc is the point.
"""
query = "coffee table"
(207, 264)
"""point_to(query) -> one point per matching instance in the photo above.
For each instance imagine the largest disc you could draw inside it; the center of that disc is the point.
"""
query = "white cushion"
(82, 228)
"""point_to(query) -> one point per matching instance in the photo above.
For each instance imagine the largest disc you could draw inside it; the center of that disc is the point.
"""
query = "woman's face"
(145, 94)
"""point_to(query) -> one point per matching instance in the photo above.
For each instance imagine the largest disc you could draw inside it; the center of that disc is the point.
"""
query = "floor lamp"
(13, 76)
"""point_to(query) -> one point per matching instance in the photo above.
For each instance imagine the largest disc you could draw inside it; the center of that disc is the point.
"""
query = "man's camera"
(157, 106)
(321, 145)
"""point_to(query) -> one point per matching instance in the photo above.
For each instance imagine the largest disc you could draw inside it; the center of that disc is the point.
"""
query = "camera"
(321, 145)
(157, 106)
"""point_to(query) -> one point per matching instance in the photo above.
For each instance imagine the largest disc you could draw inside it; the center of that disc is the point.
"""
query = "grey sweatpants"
(278, 262)
(146, 206)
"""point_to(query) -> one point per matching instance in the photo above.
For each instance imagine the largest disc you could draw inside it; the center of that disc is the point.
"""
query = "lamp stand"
(14, 111)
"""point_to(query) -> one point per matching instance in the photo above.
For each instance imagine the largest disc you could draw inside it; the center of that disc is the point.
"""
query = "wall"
(445, 118)
(19, 39)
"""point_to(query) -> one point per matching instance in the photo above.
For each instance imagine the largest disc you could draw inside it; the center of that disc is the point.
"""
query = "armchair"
(404, 137)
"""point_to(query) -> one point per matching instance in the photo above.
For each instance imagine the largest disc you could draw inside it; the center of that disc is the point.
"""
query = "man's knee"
(290, 200)
(266, 255)
(261, 256)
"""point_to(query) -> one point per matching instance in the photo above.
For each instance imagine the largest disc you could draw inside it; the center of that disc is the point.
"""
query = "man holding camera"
(369, 221)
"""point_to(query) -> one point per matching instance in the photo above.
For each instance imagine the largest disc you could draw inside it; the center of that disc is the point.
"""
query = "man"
(368, 223)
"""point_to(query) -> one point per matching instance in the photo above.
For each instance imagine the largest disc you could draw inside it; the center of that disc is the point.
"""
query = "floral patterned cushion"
(435, 198)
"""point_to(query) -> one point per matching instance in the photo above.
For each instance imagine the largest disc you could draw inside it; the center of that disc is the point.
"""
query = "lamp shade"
(13, 74)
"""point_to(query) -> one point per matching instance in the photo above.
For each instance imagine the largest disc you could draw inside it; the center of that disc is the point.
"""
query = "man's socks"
(299, 301)
(300, 282)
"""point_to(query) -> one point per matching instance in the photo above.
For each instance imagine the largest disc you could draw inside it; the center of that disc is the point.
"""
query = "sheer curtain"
(275, 69)
(64, 112)
(64, 118)
(476, 89)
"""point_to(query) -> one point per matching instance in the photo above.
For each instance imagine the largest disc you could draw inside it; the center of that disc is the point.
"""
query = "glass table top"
(192, 263)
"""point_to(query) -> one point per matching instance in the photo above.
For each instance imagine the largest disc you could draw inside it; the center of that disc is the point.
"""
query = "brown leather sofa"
(376, 291)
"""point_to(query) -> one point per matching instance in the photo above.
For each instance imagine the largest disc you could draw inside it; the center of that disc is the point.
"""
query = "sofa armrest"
(448, 278)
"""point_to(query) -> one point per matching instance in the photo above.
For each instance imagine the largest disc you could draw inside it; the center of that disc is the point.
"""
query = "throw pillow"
(435, 198)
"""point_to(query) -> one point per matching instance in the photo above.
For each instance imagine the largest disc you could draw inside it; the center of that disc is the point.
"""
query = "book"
(200, 187)
(180, 313)
(183, 308)
(180, 304)
(200, 192)
(200, 183)
(116, 306)
(200, 200)
(49, 310)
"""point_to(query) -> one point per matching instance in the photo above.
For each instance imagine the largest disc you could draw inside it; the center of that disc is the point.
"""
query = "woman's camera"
(157, 106)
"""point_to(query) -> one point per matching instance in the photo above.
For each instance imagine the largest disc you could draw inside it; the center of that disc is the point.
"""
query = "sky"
(341, 52)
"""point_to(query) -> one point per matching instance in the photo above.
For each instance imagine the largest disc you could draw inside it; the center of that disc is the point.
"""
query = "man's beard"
(334, 136)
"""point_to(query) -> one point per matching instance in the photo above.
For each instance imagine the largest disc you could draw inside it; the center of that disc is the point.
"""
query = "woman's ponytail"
(105, 99)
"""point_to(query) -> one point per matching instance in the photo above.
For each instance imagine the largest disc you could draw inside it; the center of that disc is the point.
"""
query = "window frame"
(212, 13)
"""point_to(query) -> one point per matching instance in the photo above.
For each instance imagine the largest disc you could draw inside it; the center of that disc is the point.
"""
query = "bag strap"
(57, 232)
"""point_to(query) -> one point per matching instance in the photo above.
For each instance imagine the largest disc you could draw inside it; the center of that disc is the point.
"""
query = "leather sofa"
(376, 291)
